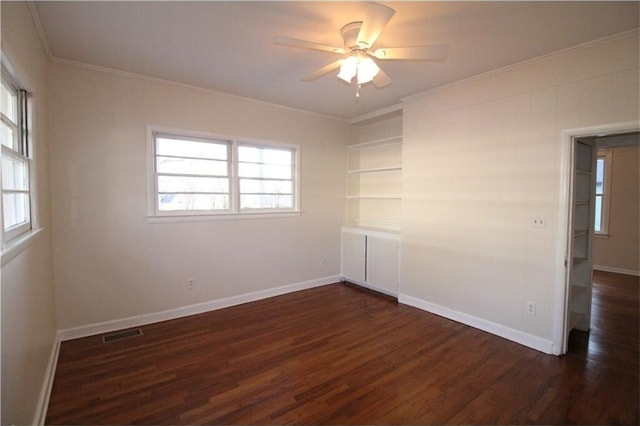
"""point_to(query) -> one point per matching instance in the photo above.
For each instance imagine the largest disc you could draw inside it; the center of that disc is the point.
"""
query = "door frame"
(568, 136)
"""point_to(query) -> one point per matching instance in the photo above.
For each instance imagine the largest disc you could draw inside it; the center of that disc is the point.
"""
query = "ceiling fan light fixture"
(367, 69)
(359, 66)
(348, 69)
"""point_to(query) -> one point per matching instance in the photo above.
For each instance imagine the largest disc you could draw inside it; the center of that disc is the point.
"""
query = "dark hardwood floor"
(343, 355)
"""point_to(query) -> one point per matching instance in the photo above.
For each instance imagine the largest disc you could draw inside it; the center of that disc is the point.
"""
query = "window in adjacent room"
(16, 188)
(201, 176)
(603, 178)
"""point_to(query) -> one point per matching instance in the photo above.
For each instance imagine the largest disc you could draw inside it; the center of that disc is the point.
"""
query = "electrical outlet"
(323, 261)
(531, 308)
(538, 222)
(191, 283)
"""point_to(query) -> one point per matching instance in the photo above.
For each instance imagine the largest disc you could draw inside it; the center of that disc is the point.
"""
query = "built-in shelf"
(580, 232)
(374, 174)
(578, 289)
(377, 142)
(578, 261)
(375, 170)
(374, 197)
(583, 172)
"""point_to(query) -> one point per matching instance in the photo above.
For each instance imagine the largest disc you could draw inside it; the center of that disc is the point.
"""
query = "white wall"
(28, 311)
(620, 250)
(481, 158)
(111, 263)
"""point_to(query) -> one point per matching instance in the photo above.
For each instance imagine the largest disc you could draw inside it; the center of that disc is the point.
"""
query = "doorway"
(585, 207)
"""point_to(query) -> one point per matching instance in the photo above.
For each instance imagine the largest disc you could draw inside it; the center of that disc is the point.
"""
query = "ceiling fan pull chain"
(358, 91)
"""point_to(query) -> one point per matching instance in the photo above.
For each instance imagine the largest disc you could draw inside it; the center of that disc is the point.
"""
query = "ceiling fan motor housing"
(350, 35)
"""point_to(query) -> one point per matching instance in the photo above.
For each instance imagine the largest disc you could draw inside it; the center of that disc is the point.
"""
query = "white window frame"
(11, 235)
(606, 156)
(234, 211)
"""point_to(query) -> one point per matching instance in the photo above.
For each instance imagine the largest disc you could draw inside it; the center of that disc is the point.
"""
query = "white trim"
(19, 244)
(45, 393)
(371, 287)
(222, 216)
(169, 314)
(35, 16)
(526, 339)
(616, 270)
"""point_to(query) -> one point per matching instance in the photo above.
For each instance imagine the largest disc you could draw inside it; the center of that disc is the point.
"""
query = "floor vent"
(119, 335)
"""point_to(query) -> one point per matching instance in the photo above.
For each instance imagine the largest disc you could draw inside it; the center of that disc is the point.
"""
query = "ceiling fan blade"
(375, 18)
(435, 52)
(381, 80)
(324, 70)
(304, 44)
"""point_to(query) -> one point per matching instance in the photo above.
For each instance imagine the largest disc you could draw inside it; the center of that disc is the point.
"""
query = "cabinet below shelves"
(370, 258)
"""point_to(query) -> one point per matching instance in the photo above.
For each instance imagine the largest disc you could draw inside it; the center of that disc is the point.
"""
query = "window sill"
(19, 244)
(207, 218)
(601, 235)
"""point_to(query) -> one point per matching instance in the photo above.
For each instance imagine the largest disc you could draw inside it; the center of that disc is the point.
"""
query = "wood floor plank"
(340, 354)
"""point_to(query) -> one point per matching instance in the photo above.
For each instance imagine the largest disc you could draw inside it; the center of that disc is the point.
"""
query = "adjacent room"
(303, 212)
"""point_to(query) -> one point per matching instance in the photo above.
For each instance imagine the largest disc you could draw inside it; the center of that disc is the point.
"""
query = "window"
(603, 180)
(16, 189)
(205, 175)
(266, 177)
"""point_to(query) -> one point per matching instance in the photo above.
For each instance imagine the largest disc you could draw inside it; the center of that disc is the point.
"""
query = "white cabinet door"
(353, 256)
(383, 263)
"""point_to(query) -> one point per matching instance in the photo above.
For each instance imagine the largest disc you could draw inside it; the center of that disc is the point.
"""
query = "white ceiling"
(228, 46)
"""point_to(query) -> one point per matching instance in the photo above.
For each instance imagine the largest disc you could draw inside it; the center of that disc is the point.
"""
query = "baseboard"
(140, 320)
(529, 340)
(372, 287)
(616, 270)
(43, 400)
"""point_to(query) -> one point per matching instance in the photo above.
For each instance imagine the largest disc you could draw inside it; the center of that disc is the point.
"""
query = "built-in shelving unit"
(374, 173)
(581, 274)
(371, 237)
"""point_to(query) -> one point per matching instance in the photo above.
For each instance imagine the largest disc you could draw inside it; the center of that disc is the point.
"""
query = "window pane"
(16, 209)
(266, 201)
(8, 136)
(184, 184)
(598, 214)
(171, 202)
(599, 175)
(266, 186)
(9, 102)
(190, 166)
(15, 174)
(265, 155)
(190, 148)
(264, 171)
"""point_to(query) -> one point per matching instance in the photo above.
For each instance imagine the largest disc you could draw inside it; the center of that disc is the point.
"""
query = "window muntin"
(16, 188)
(211, 176)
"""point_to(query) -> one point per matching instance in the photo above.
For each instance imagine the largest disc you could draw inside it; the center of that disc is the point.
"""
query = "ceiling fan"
(359, 65)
